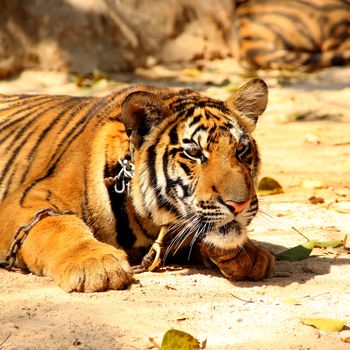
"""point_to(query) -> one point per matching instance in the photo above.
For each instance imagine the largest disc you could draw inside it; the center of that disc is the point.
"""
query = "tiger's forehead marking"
(206, 124)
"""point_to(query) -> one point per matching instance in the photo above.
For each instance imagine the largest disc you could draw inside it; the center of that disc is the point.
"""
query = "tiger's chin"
(231, 235)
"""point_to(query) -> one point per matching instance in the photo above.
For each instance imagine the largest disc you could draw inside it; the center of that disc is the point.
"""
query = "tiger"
(292, 35)
(195, 170)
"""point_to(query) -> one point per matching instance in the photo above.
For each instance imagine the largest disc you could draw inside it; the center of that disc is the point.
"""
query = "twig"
(315, 296)
(246, 301)
(5, 340)
(341, 143)
(300, 233)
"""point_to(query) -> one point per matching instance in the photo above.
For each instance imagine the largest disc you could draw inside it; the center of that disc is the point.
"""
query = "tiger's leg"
(249, 262)
(63, 247)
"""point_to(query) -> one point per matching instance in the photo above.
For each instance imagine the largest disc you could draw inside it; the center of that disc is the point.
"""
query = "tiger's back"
(34, 133)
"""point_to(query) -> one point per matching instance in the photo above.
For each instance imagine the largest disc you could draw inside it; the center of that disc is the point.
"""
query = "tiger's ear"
(250, 99)
(142, 110)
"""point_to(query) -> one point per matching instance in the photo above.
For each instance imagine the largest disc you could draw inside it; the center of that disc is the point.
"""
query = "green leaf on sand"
(325, 324)
(297, 253)
(174, 340)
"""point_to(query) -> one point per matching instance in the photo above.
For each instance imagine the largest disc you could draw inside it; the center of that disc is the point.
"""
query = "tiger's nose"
(237, 206)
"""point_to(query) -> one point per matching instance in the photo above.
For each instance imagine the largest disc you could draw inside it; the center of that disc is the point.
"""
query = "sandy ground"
(35, 314)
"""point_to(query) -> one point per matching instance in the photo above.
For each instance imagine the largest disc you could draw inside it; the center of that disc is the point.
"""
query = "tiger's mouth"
(219, 228)
(232, 226)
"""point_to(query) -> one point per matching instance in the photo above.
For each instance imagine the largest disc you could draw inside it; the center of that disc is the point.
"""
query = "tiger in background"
(293, 34)
(196, 169)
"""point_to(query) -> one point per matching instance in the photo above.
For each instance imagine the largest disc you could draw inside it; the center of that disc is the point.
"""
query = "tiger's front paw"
(245, 263)
(95, 269)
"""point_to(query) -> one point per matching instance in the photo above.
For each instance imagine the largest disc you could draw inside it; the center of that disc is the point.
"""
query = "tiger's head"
(196, 162)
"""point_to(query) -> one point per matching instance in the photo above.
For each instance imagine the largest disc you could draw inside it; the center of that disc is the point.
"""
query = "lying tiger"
(110, 173)
(293, 34)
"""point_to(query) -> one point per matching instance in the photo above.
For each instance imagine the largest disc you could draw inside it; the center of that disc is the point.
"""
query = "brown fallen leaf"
(316, 200)
(170, 287)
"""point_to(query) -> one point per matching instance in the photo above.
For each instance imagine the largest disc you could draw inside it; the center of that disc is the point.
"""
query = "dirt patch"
(35, 314)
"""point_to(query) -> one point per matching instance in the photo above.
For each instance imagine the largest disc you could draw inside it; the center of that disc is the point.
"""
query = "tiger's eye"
(240, 146)
(195, 152)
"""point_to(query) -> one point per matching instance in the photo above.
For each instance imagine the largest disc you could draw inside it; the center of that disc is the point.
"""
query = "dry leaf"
(312, 184)
(346, 340)
(297, 253)
(268, 186)
(169, 287)
(192, 73)
(174, 340)
(316, 200)
(325, 324)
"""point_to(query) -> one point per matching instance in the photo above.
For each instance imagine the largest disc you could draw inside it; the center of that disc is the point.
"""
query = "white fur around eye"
(179, 191)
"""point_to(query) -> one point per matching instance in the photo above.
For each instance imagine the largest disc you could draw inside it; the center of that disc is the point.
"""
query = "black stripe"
(7, 187)
(185, 168)
(21, 134)
(80, 102)
(86, 213)
(195, 120)
(118, 201)
(79, 127)
(174, 139)
(209, 115)
(162, 202)
(26, 104)
(198, 129)
(125, 236)
(338, 60)
(42, 135)
(211, 131)
(168, 181)
(151, 162)
(12, 158)
(8, 122)
(171, 188)
(174, 151)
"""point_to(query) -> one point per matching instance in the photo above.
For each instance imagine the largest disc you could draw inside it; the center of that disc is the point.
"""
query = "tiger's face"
(196, 163)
